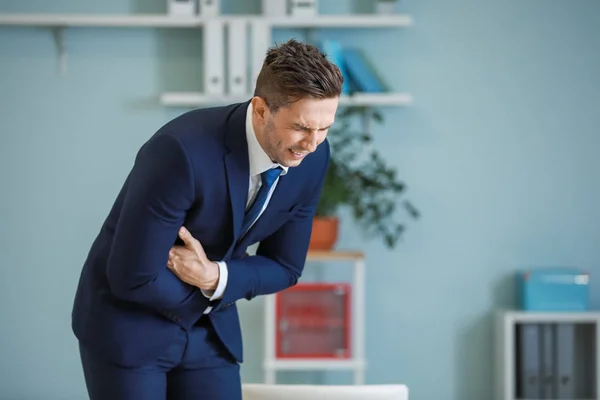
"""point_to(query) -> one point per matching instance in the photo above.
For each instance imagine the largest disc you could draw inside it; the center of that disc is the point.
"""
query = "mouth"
(298, 155)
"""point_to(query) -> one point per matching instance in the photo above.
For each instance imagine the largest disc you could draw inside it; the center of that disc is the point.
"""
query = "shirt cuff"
(218, 292)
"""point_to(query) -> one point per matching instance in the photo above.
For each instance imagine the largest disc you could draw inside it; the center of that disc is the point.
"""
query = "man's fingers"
(187, 237)
(173, 258)
(180, 253)
(190, 242)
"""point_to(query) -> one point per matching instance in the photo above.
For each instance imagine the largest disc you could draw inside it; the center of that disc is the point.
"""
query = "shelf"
(562, 344)
(343, 21)
(197, 99)
(96, 20)
(343, 255)
(377, 99)
(60, 22)
(166, 21)
(314, 364)
(557, 317)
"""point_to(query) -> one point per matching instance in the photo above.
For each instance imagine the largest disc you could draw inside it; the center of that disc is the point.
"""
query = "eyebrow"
(306, 128)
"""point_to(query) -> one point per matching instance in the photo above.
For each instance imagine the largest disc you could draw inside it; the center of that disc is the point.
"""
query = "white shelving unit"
(343, 21)
(60, 22)
(357, 363)
(97, 21)
(196, 99)
(582, 344)
(167, 21)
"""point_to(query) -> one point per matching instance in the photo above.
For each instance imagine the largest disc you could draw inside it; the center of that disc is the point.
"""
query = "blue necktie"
(268, 179)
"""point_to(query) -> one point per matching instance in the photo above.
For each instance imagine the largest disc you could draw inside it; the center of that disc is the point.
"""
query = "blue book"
(362, 74)
(334, 52)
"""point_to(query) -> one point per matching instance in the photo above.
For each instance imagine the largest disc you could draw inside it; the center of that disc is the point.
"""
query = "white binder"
(237, 57)
(214, 54)
(261, 41)
(304, 8)
(275, 8)
(209, 8)
(181, 8)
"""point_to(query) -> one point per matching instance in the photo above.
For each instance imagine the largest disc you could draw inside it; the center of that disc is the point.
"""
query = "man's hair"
(293, 71)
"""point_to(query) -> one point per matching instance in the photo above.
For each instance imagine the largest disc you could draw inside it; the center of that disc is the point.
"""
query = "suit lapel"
(237, 166)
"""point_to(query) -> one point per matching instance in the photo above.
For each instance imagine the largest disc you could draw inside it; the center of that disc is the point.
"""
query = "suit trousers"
(195, 366)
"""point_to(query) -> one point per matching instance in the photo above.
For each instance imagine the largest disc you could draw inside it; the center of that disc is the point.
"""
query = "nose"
(311, 142)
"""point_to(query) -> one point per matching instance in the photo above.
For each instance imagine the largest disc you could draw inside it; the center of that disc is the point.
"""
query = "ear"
(259, 106)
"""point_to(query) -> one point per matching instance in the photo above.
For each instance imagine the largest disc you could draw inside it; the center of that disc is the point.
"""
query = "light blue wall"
(499, 151)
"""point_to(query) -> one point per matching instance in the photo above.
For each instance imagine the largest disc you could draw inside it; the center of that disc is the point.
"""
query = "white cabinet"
(547, 355)
(357, 362)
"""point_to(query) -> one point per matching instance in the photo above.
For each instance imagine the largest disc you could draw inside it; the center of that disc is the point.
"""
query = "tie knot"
(268, 177)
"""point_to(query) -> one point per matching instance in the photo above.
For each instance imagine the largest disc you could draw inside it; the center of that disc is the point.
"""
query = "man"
(155, 310)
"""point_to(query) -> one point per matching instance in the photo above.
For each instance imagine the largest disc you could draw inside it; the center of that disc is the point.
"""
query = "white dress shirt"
(259, 163)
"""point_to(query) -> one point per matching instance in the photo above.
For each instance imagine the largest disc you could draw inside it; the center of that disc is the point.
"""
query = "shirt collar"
(259, 160)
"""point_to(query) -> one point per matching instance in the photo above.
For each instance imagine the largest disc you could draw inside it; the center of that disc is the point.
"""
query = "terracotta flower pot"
(324, 233)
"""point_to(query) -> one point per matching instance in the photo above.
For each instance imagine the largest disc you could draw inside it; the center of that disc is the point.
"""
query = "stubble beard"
(271, 147)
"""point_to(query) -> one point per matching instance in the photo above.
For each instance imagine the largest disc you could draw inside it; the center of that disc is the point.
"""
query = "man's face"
(295, 130)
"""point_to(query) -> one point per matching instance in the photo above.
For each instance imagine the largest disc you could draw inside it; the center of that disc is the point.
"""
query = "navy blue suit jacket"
(194, 172)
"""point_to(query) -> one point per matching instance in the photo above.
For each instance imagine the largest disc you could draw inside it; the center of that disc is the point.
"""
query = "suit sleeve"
(158, 193)
(280, 258)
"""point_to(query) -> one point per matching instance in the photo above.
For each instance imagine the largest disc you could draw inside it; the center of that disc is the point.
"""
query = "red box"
(312, 320)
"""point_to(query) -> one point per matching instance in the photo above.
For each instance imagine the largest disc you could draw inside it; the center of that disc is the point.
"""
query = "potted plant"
(361, 180)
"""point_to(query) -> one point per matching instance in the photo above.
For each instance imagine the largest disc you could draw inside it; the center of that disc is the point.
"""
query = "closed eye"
(307, 129)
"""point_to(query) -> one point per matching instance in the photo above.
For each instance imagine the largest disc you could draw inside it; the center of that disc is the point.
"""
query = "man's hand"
(191, 265)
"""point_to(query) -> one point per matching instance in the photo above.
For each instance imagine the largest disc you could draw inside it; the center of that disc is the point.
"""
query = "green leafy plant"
(359, 178)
